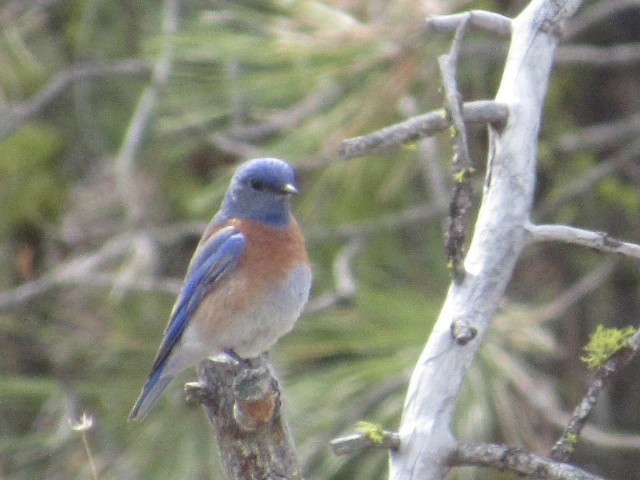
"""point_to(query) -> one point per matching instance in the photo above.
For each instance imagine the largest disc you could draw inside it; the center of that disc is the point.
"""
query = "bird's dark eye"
(258, 185)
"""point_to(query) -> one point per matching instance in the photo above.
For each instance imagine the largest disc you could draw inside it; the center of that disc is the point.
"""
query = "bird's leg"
(242, 361)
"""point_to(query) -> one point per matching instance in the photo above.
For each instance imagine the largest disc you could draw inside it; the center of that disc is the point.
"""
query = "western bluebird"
(247, 281)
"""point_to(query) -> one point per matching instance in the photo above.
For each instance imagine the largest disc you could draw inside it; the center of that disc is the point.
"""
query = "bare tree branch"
(244, 406)
(621, 55)
(13, 117)
(462, 168)
(540, 394)
(597, 240)
(388, 138)
(323, 97)
(499, 237)
(345, 283)
(515, 459)
(488, 21)
(565, 445)
(355, 442)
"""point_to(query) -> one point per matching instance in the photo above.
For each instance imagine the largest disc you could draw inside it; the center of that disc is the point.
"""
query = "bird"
(247, 282)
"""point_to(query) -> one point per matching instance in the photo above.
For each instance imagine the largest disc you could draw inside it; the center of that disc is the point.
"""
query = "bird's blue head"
(260, 190)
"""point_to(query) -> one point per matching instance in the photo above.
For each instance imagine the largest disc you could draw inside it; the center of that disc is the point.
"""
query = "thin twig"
(502, 457)
(355, 442)
(576, 292)
(142, 115)
(14, 116)
(597, 240)
(537, 392)
(566, 443)
(428, 156)
(345, 284)
(323, 97)
(461, 168)
(621, 55)
(389, 138)
(84, 270)
(235, 147)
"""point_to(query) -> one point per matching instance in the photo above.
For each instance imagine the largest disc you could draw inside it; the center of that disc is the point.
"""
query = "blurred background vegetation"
(120, 124)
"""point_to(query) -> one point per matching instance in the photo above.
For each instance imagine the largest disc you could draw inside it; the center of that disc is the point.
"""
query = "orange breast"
(271, 252)
(270, 255)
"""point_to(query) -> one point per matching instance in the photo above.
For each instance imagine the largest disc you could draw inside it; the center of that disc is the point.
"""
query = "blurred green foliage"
(242, 76)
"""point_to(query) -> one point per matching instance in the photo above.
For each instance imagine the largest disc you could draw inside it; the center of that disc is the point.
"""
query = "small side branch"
(326, 95)
(597, 240)
(502, 457)
(409, 131)
(344, 280)
(17, 115)
(461, 166)
(488, 21)
(355, 442)
(565, 445)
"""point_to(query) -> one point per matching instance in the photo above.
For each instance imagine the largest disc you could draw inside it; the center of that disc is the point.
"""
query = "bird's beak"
(289, 189)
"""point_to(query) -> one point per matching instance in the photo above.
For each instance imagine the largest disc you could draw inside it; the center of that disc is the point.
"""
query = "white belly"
(252, 332)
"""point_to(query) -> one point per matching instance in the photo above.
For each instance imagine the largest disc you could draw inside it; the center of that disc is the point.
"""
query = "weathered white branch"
(597, 240)
(488, 21)
(388, 138)
(498, 239)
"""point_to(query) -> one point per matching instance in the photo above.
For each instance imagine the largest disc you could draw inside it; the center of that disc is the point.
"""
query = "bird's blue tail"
(150, 394)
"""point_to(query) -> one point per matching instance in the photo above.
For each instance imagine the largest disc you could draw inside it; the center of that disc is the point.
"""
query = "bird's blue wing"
(214, 259)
